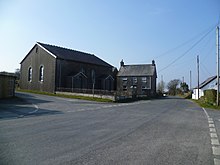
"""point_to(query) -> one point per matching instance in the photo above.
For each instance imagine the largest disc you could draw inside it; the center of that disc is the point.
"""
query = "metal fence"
(87, 91)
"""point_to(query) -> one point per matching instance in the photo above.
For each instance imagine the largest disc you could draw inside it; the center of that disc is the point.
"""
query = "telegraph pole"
(217, 53)
(190, 79)
(198, 73)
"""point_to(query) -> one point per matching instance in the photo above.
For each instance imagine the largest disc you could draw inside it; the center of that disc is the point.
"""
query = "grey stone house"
(50, 68)
(136, 80)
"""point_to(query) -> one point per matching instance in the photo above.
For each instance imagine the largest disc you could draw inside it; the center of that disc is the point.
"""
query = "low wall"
(88, 95)
(7, 85)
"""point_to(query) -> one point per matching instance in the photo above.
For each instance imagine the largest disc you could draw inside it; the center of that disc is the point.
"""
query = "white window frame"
(41, 73)
(146, 83)
(144, 79)
(135, 80)
(30, 74)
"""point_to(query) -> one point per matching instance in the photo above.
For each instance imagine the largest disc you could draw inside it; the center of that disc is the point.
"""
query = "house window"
(144, 79)
(124, 87)
(124, 83)
(30, 74)
(146, 83)
(41, 74)
(134, 80)
(144, 87)
(124, 80)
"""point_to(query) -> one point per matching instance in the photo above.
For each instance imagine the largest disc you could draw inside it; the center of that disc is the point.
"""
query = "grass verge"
(67, 96)
(206, 105)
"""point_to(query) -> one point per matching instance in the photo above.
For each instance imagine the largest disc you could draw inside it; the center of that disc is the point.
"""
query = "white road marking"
(216, 161)
(207, 115)
(212, 130)
(210, 119)
(214, 142)
(213, 135)
(216, 150)
(106, 106)
(214, 139)
(36, 109)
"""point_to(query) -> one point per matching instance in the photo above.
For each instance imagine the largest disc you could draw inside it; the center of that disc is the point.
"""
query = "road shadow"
(170, 97)
(19, 107)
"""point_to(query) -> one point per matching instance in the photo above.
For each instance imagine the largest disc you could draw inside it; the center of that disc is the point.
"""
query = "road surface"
(38, 129)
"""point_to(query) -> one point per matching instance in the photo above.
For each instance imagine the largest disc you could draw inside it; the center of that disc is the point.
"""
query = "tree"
(172, 86)
(161, 86)
(184, 87)
(17, 73)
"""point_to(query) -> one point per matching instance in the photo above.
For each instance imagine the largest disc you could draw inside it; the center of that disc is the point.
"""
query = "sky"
(171, 32)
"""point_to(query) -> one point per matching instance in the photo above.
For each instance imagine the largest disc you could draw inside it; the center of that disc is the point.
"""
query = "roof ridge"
(138, 65)
(75, 55)
(206, 81)
(65, 48)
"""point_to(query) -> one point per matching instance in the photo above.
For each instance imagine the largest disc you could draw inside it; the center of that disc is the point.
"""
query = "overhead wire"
(210, 51)
(205, 68)
(182, 44)
(182, 55)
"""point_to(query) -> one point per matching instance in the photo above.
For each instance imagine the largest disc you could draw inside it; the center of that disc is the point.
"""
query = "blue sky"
(136, 31)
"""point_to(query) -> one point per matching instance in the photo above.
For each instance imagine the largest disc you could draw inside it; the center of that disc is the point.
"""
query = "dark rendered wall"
(66, 69)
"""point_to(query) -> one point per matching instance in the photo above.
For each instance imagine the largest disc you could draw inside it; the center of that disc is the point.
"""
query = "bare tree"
(172, 86)
(17, 73)
(161, 86)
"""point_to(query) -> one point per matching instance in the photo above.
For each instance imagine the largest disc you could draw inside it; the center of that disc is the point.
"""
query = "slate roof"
(69, 54)
(137, 70)
(207, 81)
(7, 74)
(73, 55)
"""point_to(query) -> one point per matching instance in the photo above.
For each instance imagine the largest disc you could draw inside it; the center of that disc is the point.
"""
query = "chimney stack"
(122, 63)
(153, 63)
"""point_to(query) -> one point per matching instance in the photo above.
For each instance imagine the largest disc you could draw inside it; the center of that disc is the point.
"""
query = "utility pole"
(198, 74)
(161, 84)
(190, 79)
(183, 79)
(217, 53)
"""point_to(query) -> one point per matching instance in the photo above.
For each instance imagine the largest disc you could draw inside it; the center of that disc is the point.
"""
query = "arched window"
(41, 74)
(30, 74)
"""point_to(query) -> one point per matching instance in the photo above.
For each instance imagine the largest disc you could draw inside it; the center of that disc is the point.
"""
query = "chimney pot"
(153, 63)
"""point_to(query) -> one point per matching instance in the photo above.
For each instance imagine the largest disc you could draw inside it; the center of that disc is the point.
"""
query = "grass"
(206, 105)
(200, 102)
(67, 96)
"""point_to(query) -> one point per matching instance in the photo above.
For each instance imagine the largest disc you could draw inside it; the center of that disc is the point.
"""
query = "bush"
(210, 95)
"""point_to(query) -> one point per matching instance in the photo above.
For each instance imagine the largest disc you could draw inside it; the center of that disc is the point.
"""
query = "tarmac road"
(38, 129)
